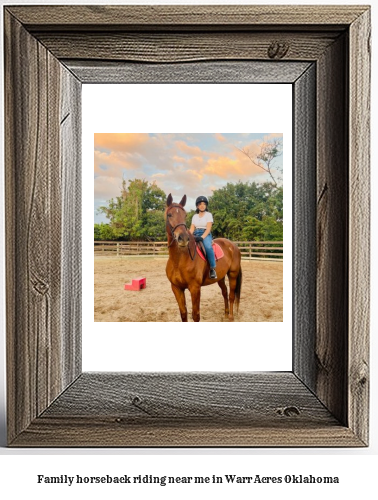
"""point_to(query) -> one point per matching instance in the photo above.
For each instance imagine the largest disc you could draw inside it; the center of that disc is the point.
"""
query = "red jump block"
(136, 284)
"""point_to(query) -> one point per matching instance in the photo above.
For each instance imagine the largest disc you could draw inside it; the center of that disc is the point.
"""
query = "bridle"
(173, 229)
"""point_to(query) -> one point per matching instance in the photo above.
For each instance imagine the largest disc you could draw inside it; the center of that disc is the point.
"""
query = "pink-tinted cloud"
(120, 142)
(179, 163)
(113, 163)
(107, 187)
(220, 138)
(187, 149)
(235, 165)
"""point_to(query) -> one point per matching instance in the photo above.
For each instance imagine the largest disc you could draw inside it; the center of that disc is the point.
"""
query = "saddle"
(218, 252)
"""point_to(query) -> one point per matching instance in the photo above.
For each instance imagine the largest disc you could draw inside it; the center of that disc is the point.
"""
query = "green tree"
(242, 212)
(248, 212)
(253, 229)
(137, 214)
(273, 230)
(103, 232)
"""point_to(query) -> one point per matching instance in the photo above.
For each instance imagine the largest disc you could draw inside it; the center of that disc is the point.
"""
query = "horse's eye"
(169, 215)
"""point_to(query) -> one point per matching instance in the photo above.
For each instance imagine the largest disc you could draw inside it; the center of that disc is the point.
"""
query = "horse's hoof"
(230, 318)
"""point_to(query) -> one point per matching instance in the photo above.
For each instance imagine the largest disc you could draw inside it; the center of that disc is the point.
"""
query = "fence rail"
(250, 250)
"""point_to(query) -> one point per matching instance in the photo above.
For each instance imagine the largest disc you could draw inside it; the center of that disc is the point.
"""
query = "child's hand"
(198, 239)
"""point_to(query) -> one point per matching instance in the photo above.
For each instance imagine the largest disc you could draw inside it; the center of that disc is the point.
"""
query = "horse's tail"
(238, 289)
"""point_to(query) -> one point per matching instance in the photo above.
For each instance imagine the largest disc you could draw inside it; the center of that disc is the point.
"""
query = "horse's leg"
(195, 292)
(223, 287)
(180, 297)
(232, 280)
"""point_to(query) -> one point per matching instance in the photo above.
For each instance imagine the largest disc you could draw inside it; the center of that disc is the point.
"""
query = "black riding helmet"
(201, 199)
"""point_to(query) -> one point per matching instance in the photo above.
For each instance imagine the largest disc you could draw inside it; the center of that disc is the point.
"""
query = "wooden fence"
(263, 250)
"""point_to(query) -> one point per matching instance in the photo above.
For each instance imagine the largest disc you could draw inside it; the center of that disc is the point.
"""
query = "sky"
(192, 164)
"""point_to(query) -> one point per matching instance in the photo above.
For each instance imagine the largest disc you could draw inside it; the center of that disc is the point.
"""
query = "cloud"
(195, 173)
(179, 159)
(120, 142)
(107, 187)
(220, 138)
(196, 163)
(269, 137)
(188, 164)
(189, 150)
(235, 166)
(113, 163)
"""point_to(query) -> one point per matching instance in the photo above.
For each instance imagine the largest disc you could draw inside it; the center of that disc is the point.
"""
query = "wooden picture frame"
(324, 51)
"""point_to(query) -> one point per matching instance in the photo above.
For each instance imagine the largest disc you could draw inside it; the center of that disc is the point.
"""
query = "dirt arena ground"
(261, 294)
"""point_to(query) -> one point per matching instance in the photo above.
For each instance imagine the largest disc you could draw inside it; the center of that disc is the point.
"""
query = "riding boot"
(213, 274)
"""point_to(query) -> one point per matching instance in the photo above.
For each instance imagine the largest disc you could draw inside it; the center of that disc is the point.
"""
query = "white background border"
(221, 346)
(358, 475)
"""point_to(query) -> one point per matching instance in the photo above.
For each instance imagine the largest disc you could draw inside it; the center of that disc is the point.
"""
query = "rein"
(173, 229)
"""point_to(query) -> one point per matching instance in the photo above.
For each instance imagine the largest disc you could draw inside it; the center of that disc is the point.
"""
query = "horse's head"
(175, 216)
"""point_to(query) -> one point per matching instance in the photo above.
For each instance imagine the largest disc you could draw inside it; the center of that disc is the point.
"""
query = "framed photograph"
(134, 173)
(323, 52)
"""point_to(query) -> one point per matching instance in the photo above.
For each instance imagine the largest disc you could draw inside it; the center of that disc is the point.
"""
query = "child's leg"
(208, 243)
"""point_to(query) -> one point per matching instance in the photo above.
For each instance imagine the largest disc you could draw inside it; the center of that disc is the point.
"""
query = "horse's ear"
(169, 200)
(183, 201)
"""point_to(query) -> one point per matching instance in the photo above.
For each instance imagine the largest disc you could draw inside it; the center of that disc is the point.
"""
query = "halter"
(173, 229)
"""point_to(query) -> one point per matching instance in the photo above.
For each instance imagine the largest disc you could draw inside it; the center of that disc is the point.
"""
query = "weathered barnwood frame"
(324, 52)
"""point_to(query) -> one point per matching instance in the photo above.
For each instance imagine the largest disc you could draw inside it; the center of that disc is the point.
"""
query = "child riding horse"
(185, 271)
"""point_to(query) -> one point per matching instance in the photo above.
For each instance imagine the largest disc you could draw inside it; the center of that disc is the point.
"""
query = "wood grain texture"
(323, 402)
(304, 228)
(192, 409)
(33, 227)
(359, 226)
(71, 189)
(30, 194)
(179, 47)
(200, 72)
(184, 16)
(332, 230)
(100, 432)
(243, 397)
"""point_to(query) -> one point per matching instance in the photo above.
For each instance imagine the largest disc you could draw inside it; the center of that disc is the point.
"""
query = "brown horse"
(184, 270)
